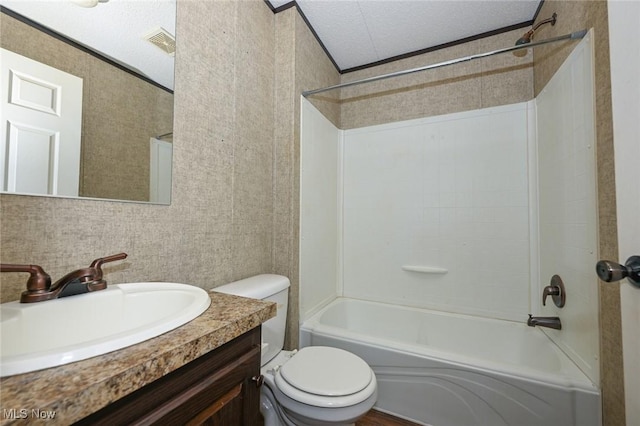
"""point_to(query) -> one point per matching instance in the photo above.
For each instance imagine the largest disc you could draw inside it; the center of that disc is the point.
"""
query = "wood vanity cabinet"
(219, 388)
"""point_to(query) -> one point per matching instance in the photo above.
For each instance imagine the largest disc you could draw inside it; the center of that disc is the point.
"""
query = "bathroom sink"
(40, 335)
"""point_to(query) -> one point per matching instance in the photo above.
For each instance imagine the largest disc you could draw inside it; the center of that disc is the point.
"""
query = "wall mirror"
(87, 98)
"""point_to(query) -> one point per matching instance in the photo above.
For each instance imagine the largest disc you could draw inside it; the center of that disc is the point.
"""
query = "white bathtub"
(454, 370)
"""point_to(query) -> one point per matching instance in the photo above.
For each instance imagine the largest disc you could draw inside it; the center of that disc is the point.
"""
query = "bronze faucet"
(83, 280)
(551, 322)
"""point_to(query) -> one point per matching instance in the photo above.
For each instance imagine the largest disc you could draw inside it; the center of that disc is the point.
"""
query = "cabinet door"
(224, 398)
(216, 389)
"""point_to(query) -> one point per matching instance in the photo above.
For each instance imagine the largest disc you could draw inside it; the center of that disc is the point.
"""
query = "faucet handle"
(97, 264)
(38, 280)
(556, 290)
(549, 291)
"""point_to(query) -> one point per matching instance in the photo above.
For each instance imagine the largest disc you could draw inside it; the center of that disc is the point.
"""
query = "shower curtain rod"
(572, 36)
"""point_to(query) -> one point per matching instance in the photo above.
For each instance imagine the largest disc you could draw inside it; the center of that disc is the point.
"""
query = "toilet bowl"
(319, 385)
(316, 385)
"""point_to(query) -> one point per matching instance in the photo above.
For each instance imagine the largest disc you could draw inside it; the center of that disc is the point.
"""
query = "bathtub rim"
(571, 376)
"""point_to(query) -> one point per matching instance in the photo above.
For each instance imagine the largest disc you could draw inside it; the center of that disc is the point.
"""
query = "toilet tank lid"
(256, 287)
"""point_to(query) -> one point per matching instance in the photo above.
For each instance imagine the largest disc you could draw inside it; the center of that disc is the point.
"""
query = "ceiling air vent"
(162, 39)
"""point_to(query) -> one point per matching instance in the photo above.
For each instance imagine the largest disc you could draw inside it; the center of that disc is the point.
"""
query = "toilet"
(316, 385)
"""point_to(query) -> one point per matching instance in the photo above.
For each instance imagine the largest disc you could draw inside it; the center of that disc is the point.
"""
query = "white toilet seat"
(326, 377)
(300, 398)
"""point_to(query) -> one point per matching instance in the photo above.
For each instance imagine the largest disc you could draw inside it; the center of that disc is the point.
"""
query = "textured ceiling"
(355, 33)
(115, 29)
(360, 32)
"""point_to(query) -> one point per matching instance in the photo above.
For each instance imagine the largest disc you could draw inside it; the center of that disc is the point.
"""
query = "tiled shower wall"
(568, 225)
(572, 16)
(449, 192)
(320, 224)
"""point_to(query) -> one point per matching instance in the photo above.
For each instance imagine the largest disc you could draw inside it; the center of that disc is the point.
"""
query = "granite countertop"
(72, 391)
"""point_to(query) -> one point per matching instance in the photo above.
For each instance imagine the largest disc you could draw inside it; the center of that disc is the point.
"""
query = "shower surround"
(430, 213)
(449, 213)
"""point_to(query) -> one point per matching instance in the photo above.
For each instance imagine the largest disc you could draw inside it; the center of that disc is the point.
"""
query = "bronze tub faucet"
(551, 322)
(80, 281)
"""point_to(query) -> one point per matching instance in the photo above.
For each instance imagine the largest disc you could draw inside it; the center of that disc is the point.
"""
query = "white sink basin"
(56, 332)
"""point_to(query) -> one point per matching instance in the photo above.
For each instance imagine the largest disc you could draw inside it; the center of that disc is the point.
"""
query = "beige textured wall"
(315, 70)
(219, 226)
(285, 210)
(300, 65)
(120, 113)
(573, 16)
(497, 80)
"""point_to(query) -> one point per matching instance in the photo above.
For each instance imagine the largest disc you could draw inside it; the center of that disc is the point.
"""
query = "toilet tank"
(273, 288)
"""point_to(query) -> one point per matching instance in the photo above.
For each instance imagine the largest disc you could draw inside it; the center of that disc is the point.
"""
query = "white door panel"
(33, 93)
(32, 153)
(41, 128)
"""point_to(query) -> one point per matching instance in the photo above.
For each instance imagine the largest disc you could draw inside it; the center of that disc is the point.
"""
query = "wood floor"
(377, 418)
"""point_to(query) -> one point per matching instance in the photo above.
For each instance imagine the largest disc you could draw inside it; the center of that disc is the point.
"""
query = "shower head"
(526, 38)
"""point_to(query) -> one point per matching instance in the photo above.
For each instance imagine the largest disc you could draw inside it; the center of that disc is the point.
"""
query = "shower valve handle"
(556, 290)
(549, 291)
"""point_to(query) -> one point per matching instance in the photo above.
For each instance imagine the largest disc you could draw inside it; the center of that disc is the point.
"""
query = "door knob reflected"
(611, 271)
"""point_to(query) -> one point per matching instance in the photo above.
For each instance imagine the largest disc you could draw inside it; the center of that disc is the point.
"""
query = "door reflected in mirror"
(80, 123)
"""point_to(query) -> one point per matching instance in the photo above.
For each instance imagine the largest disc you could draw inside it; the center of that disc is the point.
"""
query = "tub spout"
(551, 322)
